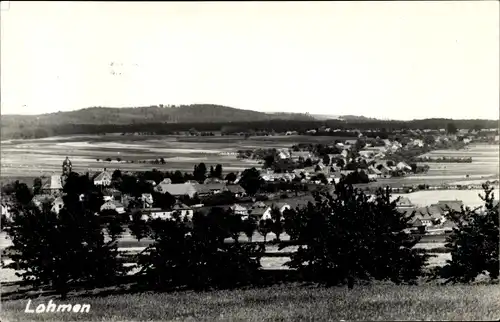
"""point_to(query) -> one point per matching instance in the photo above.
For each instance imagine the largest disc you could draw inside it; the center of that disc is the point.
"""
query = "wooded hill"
(168, 119)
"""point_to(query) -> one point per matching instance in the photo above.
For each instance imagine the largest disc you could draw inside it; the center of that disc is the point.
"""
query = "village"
(287, 180)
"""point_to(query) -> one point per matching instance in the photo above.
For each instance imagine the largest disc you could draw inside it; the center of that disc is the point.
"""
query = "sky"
(389, 60)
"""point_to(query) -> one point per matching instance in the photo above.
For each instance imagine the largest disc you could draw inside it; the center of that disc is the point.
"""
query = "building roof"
(258, 211)
(176, 189)
(373, 170)
(105, 175)
(235, 188)
(237, 207)
(115, 203)
(180, 206)
(166, 181)
(281, 204)
(212, 180)
(209, 187)
(454, 205)
(43, 198)
(304, 154)
(404, 201)
(55, 182)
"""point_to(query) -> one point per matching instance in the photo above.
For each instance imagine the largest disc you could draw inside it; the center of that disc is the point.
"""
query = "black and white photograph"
(249, 161)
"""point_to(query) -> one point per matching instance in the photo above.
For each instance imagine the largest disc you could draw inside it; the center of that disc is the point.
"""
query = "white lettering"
(27, 309)
(40, 308)
(51, 307)
(62, 307)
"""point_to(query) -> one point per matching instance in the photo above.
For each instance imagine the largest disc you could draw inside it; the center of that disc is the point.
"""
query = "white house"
(165, 214)
(6, 212)
(103, 179)
(239, 210)
(57, 205)
(403, 166)
(147, 200)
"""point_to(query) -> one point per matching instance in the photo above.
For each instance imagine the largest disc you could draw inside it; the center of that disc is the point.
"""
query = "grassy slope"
(285, 302)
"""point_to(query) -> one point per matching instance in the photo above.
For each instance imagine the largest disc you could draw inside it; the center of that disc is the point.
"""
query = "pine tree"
(474, 242)
(349, 237)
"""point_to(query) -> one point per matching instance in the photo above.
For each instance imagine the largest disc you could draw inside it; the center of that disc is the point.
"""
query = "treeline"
(344, 239)
(13, 130)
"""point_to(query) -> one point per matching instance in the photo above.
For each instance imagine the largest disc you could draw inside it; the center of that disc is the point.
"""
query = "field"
(288, 302)
(26, 159)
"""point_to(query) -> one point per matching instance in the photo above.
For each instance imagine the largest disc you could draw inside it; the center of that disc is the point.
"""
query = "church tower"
(66, 167)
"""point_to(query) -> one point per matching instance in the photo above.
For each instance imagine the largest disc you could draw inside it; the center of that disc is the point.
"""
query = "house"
(282, 206)
(283, 155)
(235, 189)
(103, 179)
(404, 202)
(374, 171)
(296, 155)
(350, 142)
(422, 218)
(344, 153)
(112, 194)
(165, 181)
(239, 210)
(437, 214)
(57, 205)
(183, 210)
(154, 213)
(113, 205)
(54, 185)
(209, 188)
(346, 172)
(335, 177)
(366, 153)
(446, 205)
(147, 200)
(6, 211)
(403, 166)
(212, 180)
(177, 189)
(387, 142)
(260, 211)
(384, 170)
(417, 143)
(40, 200)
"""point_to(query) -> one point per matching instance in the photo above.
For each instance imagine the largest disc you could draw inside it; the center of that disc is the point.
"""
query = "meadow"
(31, 158)
(286, 302)
(37, 157)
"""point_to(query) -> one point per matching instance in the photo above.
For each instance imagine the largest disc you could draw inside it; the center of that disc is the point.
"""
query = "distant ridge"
(195, 113)
(203, 117)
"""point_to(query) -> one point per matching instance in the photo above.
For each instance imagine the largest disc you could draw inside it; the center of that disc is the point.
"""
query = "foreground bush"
(474, 242)
(193, 254)
(350, 237)
(59, 250)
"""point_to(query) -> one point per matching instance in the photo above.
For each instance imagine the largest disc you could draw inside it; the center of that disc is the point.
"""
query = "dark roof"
(258, 211)
(180, 206)
(235, 188)
(208, 187)
(454, 205)
(176, 189)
